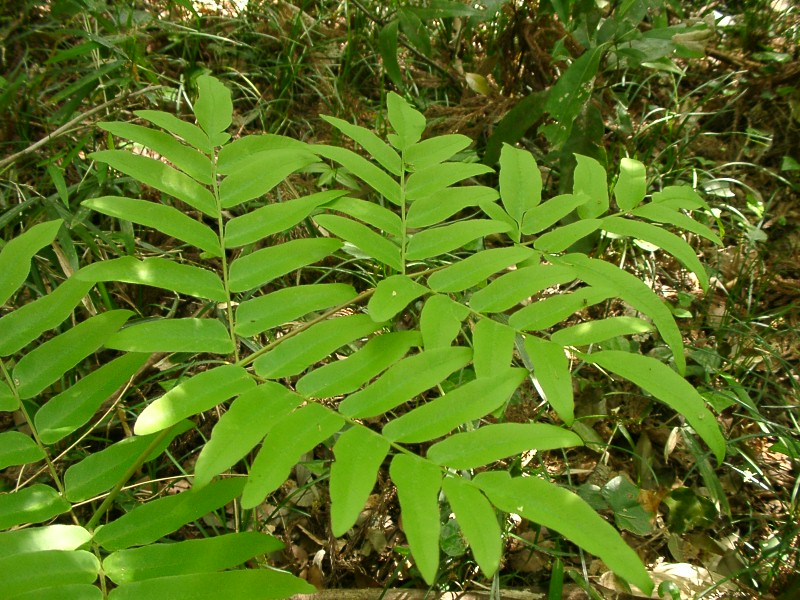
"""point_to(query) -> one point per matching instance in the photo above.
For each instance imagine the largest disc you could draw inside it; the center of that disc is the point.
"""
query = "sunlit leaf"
(435, 150)
(433, 242)
(190, 133)
(32, 504)
(551, 212)
(543, 314)
(16, 255)
(213, 108)
(434, 179)
(476, 268)
(563, 237)
(46, 569)
(520, 181)
(373, 176)
(440, 321)
(631, 184)
(408, 122)
(377, 148)
(392, 295)
(594, 332)
(370, 213)
(16, 448)
(511, 288)
(493, 347)
(254, 177)
(48, 537)
(174, 335)
(661, 213)
(551, 375)
(437, 207)
(363, 238)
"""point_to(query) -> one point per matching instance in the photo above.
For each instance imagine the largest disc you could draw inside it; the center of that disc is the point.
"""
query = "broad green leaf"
(418, 483)
(433, 242)
(174, 335)
(188, 160)
(262, 266)
(190, 133)
(406, 379)
(370, 213)
(373, 176)
(435, 150)
(387, 44)
(661, 238)
(392, 295)
(415, 30)
(562, 511)
(147, 523)
(498, 213)
(468, 402)
(290, 438)
(476, 268)
(359, 453)
(679, 197)
(297, 354)
(543, 314)
(21, 327)
(18, 449)
(478, 521)
(631, 184)
(194, 395)
(47, 363)
(8, 402)
(74, 591)
(160, 176)
(377, 148)
(563, 237)
(249, 584)
(520, 181)
(440, 321)
(634, 292)
(288, 304)
(32, 504)
(166, 219)
(274, 218)
(347, 375)
(434, 179)
(495, 442)
(551, 212)
(48, 537)
(510, 289)
(590, 179)
(16, 255)
(260, 173)
(594, 332)
(492, 347)
(552, 376)
(408, 122)
(233, 156)
(250, 417)
(665, 384)
(190, 556)
(75, 406)
(660, 213)
(213, 108)
(157, 272)
(363, 238)
(46, 569)
(436, 208)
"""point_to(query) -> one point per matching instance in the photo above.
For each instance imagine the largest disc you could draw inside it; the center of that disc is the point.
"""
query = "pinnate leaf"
(373, 176)
(493, 347)
(408, 122)
(435, 150)
(48, 537)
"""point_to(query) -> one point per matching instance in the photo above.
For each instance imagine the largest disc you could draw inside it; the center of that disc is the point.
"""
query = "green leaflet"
(363, 238)
(434, 209)
(44, 365)
(478, 521)
(590, 179)
(32, 504)
(274, 218)
(370, 213)
(248, 419)
(631, 184)
(552, 376)
(162, 177)
(8, 402)
(297, 354)
(188, 132)
(468, 402)
(433, 242)
(661, 238)
(373, 176)
(192, 396)
(387, 44)
(174, 335)
(213, 108)
(554, 309)
(75, 406)
(392, 295)
(440, 321)
(293, 436)
(495, 442)
(251, 584)
(190, 556)
(406, 121)
(418, 483)
(287, 304)
(511, 288)
(520, 182)
(48, 537)
(679, 197)
(21, 327)
(359, 454)
(233, 156)
(347, 375)
(150, 522)
(558, 509)
(166, 219)
(435, 150)
(492, 347)
(434, 179)
(254, 177)
(262, 266)
(665, 384)
(157, 272)
(377, 148)
(594, 332)
(74, 591)
(476, 268)
(16, 255)
(406, 379)
(47, 569)
(661, 213)
(550, 212)
(563, 237)
(18, 449)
